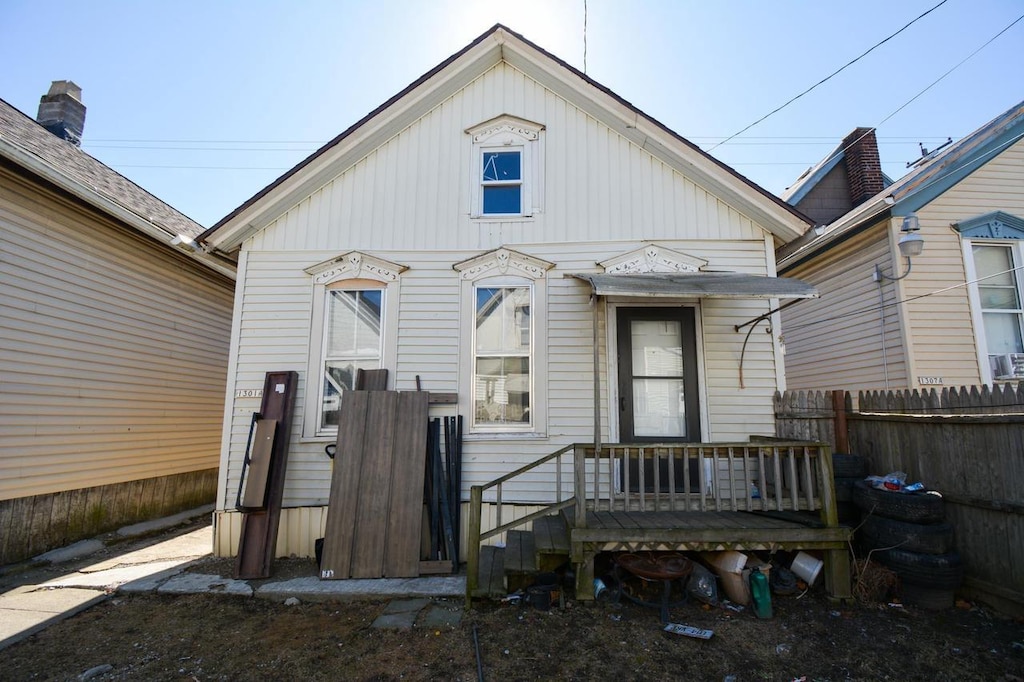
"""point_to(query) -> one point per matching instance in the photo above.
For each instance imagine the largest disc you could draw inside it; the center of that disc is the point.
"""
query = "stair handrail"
(476, 496)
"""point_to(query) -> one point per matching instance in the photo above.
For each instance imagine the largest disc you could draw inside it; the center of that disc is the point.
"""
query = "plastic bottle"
(761, 594)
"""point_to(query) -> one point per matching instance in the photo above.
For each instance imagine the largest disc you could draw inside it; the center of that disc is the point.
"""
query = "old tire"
(939, 571)
(844, 487)
(912, 507)
(849, 466)
(929, 598)
(923, 538)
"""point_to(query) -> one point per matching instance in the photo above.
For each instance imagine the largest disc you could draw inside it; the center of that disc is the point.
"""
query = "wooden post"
(839, 417)
(476, 496)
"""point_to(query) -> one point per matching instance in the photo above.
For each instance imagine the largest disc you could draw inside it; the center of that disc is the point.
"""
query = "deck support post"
(838, 580)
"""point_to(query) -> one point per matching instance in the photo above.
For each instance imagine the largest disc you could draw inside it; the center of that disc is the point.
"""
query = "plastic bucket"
(807, 567)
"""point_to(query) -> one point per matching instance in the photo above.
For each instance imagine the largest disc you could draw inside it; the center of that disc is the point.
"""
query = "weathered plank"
(345, 484)
(405, 508)
(373, 505)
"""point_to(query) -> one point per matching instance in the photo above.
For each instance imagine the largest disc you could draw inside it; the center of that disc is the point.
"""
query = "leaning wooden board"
(374, 512)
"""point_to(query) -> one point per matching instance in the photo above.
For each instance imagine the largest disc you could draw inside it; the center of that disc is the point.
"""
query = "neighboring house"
(957, 317)
(468, 235)
(115, 341)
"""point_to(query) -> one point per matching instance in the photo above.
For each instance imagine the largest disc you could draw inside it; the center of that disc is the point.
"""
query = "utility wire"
(875, 308)
(831, 75)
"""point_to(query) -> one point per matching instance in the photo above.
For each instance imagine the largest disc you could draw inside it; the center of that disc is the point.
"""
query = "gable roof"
(489, 49)
(35, 149)
(918, 187)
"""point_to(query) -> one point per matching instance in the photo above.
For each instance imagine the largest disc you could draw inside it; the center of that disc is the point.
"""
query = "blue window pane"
(502, 199)
(501, 167)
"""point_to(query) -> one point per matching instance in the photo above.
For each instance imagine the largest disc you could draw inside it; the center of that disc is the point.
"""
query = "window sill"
(505, 435)
(502, 218)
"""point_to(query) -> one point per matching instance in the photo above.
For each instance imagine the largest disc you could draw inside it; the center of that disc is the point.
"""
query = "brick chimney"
(62, 113)
(863, 166)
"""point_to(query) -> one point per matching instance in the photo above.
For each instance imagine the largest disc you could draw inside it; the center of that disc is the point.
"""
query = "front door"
(658, 392)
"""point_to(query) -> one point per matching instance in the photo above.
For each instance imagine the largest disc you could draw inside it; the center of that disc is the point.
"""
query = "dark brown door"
(659, 399)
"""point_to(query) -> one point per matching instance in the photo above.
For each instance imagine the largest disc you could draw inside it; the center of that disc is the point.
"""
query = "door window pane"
(657, 348)
(659, 408)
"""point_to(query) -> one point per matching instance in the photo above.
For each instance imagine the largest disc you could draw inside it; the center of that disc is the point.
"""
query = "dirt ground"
(210, 637)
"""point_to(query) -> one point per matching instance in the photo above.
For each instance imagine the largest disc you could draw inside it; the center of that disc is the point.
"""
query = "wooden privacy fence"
(967, 443)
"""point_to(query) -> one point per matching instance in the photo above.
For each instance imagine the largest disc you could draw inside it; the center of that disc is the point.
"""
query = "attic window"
(502, 182)
(506, 167)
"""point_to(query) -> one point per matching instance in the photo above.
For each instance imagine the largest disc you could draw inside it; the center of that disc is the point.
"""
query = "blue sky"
(205, 102)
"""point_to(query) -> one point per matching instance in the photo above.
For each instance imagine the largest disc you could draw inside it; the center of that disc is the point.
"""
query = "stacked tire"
(909, 535)
(847, 469)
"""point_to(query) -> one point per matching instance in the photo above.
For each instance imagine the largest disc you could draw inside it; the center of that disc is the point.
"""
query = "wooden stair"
(526, 553)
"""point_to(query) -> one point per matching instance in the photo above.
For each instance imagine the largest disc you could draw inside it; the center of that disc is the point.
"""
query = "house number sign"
(929, 381)
(249, 393)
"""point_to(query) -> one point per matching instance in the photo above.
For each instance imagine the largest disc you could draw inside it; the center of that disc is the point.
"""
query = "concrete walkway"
(158, 566)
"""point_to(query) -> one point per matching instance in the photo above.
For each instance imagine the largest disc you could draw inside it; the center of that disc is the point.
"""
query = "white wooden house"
(507, 230)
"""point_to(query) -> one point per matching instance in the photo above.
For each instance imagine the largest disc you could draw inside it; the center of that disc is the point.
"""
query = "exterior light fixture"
(910, 244)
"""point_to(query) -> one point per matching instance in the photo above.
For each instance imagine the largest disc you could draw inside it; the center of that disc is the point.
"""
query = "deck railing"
(756, 476)
(772, 476)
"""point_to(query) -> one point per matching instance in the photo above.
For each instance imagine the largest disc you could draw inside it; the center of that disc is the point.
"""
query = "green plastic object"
(761, 594)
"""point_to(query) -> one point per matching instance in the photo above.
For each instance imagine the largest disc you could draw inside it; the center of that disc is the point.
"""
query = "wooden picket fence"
(967, 443)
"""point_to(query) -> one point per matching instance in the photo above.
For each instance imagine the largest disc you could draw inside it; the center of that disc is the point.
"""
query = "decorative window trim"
(994, 225)
(505, 267)
(508, 133)
(364, 272)
(653, 258)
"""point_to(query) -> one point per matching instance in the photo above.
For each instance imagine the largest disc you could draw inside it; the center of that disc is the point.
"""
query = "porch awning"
(697, 285)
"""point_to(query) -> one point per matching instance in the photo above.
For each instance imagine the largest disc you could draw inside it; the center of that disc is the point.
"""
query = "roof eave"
(90, 196)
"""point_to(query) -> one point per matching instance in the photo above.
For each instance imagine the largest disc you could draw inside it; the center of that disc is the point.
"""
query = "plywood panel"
(406, 504)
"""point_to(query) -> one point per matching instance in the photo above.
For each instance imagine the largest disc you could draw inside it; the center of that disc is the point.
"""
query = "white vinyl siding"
(413, 192)
(114, 351)
(836, 340)
(275, 321)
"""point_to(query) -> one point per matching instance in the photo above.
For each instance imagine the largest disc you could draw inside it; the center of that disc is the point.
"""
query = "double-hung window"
(352, 327)
(502, 182)
(999, 296)
(994, 258)
(352, 341)
(503, 350)
(502, 347)
(507, 168)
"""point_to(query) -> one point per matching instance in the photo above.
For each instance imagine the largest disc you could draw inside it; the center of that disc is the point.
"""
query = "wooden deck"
(623, 531)
(680, 497)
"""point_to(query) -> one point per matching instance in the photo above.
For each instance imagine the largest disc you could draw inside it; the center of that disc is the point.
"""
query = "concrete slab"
(405, 606)
(395, 621)
(200, 583)
(187, 547)
(311, 588)
(27, 610)
(441, 616)
(165, 522)
(114, 578)
(72, 551)
(152, 581)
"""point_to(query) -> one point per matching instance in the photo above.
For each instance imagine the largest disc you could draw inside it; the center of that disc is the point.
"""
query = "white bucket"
(807, 567)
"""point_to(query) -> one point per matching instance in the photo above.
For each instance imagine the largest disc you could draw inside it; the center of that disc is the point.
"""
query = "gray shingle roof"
(23, 132)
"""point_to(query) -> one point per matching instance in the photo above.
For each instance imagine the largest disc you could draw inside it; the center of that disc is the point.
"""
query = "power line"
(831, 75)
(875, 308)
